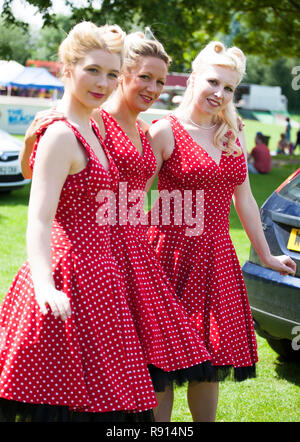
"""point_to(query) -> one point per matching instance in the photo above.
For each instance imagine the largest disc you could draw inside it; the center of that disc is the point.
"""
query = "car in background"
(11, 177)
(275, 299)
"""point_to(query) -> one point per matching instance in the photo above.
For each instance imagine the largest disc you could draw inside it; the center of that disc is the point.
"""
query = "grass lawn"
(274, 396)
(271, 130)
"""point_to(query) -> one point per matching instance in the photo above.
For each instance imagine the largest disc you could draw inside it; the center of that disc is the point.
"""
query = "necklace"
(202, 127)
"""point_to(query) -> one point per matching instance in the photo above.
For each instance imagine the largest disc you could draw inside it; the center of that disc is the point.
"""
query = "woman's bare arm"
(249, 215)
(53, 161)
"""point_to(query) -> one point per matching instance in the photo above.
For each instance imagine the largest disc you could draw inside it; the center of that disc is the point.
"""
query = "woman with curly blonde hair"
(200, 150)
(69, 350)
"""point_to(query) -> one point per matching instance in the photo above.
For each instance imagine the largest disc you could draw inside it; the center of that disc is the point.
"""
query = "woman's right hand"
(57, 300)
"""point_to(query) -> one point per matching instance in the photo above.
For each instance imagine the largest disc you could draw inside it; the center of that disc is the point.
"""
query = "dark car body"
(275, 299)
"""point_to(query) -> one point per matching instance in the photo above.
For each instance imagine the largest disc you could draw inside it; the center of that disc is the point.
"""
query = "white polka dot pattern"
(93, 362)
(169, 340)
(204, 269)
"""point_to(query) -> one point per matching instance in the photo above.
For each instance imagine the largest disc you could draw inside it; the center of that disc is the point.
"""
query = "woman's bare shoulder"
(161, 128)
(58, 138)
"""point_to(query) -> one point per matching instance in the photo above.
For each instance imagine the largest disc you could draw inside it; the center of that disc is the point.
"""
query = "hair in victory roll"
(215, 53)
(139, 45)
(85, 37)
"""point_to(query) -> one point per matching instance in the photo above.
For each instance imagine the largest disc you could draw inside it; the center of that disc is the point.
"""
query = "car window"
(292, 190)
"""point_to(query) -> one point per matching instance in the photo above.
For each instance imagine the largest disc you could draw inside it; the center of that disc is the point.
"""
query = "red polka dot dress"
(93, 362)
(203, 267)
(171, 346)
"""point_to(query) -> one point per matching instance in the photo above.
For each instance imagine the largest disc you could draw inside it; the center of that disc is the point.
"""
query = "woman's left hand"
(282, 264)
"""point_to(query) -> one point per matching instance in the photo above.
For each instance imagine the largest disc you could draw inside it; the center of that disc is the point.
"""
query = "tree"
(268, 27)
(47, 41)
(274, 27)
(15, 43)
(261, 70)
(267, 30)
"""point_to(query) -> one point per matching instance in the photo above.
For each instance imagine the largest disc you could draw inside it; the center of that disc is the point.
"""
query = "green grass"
(271, 130)
(274, 396)
(13, 221)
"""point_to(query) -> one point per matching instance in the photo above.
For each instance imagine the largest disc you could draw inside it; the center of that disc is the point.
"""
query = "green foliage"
(50, 37)
(272, 397)
(264, 27)
(274, 27)
(15, 43)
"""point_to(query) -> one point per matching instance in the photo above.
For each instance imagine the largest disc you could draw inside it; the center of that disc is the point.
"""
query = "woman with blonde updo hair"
(137, 45)
(174, 349)
(201, 153)
(69, 349)
(86, 36)
(173, 354)
(215, 53)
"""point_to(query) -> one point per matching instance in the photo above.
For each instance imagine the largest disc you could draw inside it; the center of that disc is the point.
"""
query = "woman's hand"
(282, 264)
(57, 301)
(42, 120)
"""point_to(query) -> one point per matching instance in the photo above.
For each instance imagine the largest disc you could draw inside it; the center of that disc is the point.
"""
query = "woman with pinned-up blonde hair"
(173, 350)
(69, 350)
(175, 354)
(200, 149)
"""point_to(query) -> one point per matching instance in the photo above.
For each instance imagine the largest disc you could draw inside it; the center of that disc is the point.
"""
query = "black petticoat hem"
(205, 372)
(14, 411)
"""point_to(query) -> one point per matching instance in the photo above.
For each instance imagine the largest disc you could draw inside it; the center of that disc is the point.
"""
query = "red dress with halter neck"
(170, 342)
(203, 267)
(93, 362)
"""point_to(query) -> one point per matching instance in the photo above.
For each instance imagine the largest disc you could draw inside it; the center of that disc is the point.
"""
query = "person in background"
(261, 156)
(291, 148)
(173, 349)
(282, 145)
(288, 130)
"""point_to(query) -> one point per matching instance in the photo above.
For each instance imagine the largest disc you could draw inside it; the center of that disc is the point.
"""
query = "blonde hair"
(215, 53)
(137, 45)
(86, 36)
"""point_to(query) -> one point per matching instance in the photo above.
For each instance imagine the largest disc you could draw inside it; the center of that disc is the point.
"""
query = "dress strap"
(76, 132)
(81, 138)
(172, 119)
(106, 118)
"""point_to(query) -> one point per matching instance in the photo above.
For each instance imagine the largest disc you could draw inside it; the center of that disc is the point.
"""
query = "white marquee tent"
(9, 70)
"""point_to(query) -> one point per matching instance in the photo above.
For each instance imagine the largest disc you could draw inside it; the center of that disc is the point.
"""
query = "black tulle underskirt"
(13, 411)
(204, 372)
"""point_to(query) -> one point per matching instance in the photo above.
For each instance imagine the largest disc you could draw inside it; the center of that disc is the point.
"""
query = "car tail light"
(290, 178)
